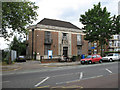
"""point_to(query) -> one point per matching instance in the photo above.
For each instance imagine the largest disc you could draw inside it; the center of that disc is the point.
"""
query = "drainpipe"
(32, 41)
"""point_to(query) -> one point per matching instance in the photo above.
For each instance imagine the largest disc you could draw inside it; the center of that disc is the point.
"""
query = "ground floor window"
(46, 48)
(95, 51)
(79, 50)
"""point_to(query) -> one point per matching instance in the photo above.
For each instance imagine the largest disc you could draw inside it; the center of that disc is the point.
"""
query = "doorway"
(65, 51)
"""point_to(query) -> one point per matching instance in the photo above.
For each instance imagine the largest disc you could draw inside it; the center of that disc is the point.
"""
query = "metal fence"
(7, 55)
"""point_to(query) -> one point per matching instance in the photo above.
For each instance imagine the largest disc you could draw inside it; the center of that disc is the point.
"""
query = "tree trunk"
(101, 48)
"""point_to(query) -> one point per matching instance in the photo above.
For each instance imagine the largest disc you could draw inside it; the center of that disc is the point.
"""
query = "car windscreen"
(110, 55)
(89, 56)
(21, 56)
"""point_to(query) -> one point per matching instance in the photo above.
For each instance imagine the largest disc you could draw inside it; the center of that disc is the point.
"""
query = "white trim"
(58, 31)
(55, 29)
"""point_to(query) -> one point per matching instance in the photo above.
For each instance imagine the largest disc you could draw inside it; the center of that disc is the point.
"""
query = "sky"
(67, 10)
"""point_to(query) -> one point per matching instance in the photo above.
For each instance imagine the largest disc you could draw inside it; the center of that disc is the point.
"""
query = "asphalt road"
(103, 75)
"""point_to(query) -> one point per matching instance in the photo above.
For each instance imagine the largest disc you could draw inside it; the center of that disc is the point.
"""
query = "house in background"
(95, 48)
(61, 37)
(114, 43)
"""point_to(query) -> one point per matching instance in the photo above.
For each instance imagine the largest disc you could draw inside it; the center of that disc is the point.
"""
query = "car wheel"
(100, 61)
(90, 62)
(110, 60)
(82, 63)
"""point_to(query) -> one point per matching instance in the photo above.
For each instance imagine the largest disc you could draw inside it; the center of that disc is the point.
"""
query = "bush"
(111, 52)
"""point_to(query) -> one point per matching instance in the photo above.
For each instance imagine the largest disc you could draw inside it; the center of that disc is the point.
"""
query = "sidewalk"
(35, 65)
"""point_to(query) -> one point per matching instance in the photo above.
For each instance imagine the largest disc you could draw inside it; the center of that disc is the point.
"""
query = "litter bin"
(74, 58)
(82, 56)
(41, 57)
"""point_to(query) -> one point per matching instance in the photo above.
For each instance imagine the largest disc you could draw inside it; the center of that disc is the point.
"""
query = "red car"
(92, 59)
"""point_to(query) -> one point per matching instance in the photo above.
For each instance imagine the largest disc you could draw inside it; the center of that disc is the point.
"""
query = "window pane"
(46, 48)
(78, 37)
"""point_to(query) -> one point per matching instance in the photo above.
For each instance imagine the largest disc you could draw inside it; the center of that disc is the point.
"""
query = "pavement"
(34, 65)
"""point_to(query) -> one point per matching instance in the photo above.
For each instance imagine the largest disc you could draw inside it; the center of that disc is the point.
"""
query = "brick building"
(95, 48)
(63, 38)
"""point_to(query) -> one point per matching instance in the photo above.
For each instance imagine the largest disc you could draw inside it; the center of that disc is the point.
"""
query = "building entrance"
(65, 51)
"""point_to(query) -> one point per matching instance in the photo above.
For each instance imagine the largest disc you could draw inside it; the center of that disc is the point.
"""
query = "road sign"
(92, 47)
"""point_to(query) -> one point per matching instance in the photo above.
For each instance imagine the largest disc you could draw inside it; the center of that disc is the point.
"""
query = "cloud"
(70, 10)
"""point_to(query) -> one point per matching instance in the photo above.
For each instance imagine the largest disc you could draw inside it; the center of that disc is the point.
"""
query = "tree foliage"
(18, 46)
(116, 24)
(97, 24)
(16, 15)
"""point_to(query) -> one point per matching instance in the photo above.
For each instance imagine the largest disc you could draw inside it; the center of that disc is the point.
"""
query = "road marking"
(4, 81)
(92, 77)
(65, 74)
(108, 70)
(81, 75)
(44, 86)
(79, 79)
(42, 81)
(68, 82)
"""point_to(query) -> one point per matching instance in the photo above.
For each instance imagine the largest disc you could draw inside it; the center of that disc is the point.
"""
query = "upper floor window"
(64, 36)
(115, 36)
(79, 38)
(47, 35)
(95, 44)
(110, 43)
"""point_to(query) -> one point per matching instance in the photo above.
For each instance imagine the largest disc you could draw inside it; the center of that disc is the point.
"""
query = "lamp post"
(32, 41)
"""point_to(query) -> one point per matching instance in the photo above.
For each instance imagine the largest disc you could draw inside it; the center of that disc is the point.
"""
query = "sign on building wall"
(49, 53)
(92, 47)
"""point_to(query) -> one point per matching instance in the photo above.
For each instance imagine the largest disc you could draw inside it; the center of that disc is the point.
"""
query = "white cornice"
(55, 29)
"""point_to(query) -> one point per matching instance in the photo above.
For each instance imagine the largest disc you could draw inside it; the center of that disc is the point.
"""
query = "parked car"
(92, 59)
(111, 57)
(21, 59)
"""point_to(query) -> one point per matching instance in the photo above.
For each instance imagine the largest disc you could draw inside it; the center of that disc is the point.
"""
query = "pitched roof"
(59, 23)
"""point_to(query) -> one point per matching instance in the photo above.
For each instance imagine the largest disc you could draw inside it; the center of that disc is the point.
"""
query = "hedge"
(111, 52)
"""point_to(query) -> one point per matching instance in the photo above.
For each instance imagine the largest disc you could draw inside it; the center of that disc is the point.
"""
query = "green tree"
(16, 15)
(97, 25)
(18, 46)
(116, 24)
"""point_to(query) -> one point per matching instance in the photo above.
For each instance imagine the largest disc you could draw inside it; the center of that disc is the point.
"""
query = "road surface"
(103, 75)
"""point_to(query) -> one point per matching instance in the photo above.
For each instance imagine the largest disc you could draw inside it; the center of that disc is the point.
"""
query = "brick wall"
(84, 46)
(74, 44)
(39, 42)
(54, 46)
